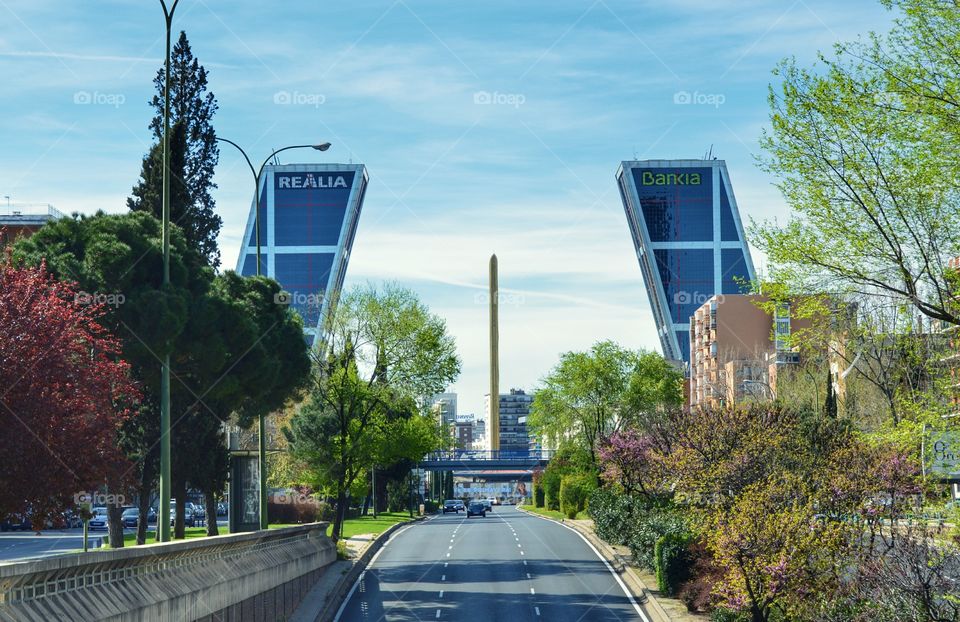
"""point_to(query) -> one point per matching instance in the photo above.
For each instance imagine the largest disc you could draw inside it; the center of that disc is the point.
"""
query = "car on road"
(495, 500)
(488, 504)
(476, 508)
(452, 505)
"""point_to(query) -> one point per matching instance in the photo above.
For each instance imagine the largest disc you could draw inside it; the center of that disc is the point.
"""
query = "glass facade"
(685, 225)
(514, 406)
(308, 219)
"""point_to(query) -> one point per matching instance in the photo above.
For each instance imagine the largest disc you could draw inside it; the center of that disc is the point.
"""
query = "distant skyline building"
(308, 219)
(445, 408)
(689, 239)
(19, 220)
(514, 408)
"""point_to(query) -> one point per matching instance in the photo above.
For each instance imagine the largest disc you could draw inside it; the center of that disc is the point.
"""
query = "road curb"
(640, 590)
(345, 584)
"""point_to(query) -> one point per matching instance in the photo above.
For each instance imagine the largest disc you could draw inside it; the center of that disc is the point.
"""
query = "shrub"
(430, 506)
(697, 591)
(538, 491)
(551, 489)
(612, 514)
(573, 494)
(670, 561)
(648, 527)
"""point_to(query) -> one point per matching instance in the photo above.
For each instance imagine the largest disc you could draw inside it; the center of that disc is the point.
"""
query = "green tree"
(864, 150)
(235, 352)
(384, 351)
(589, 395)
(193, 154)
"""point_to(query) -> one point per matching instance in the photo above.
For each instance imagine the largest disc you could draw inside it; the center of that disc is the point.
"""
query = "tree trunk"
(180, 490)
(115, 523)
(340, 513)
(143, 509)
(211, 507)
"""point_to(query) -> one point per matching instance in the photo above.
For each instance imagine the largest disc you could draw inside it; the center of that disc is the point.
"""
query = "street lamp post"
(163, 529)
(261, 425)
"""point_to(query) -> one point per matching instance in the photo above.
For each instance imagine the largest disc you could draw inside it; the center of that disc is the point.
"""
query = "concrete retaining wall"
(248, 576)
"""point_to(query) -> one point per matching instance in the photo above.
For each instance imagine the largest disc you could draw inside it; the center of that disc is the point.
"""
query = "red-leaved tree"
(63, 393)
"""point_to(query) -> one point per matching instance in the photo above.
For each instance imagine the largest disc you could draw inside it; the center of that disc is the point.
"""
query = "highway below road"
(508, 565)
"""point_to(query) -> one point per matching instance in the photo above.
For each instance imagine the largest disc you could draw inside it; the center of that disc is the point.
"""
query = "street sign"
(944, 455)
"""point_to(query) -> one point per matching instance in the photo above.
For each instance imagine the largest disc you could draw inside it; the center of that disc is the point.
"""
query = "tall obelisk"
(494, 422)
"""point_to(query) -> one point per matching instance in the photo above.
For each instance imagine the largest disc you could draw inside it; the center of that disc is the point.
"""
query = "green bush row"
(574, 492)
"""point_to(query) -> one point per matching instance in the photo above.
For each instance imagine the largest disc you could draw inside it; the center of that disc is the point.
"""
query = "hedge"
(551, 489)
(671, 562)
(573, 493)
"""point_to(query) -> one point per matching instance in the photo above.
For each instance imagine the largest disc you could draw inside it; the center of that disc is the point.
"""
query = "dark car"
(487, 504)
(130, 517)
(476, 508)
(451, 505)
(15, 523)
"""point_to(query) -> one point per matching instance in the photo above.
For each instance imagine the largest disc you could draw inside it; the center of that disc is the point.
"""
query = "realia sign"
(311, 180)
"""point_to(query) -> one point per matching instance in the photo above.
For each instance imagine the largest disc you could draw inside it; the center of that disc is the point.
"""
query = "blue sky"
(486, 127)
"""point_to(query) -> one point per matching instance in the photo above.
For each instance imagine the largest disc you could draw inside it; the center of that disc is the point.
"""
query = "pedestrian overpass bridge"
(490, 460)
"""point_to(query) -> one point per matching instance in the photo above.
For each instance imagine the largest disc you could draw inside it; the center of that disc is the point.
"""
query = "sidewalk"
(661, 608)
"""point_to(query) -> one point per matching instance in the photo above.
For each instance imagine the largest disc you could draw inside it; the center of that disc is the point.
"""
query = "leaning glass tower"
(686, 229)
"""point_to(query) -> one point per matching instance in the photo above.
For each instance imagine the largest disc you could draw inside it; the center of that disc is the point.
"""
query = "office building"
(445, 408)
(19, 220)
(308, 219)
(514, 408)
(686, 229)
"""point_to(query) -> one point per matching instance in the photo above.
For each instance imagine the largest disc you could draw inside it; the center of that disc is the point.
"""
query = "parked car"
(452, 505)
(16, 522)
(476, 508)
(130, 517)
(188, 517)
(99, 519)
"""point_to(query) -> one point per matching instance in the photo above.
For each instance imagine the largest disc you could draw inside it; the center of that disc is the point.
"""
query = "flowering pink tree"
(630, 458)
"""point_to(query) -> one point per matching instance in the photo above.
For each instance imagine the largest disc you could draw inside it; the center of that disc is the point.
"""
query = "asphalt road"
(23, 545)
(507, 566)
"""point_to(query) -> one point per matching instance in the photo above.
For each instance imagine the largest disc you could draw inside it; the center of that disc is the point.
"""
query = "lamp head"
(321, 146)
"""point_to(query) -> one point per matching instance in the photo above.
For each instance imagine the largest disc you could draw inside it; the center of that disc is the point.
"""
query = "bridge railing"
(499, 455)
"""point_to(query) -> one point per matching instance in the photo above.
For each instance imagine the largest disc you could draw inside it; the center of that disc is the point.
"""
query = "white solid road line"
(613, 573)
(356, 584)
